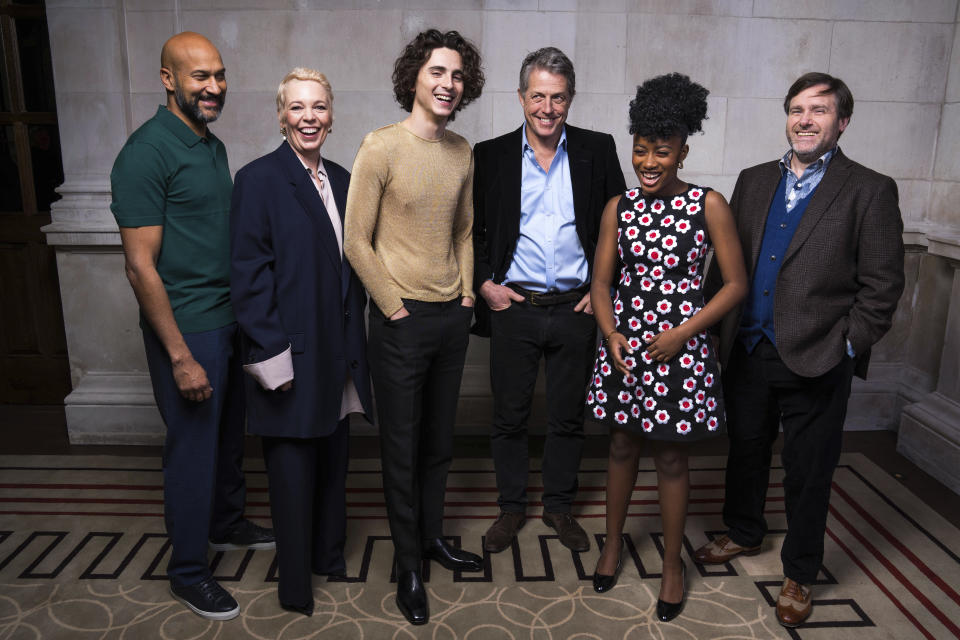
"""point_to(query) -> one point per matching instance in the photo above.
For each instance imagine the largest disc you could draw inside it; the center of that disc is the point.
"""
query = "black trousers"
(416, 364)
(761, 393)
(520, 336)
(308, 502)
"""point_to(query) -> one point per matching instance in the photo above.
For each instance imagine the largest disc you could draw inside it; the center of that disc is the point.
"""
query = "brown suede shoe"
(721, 550)
(502, 532)
(571, 534)
(794, 604)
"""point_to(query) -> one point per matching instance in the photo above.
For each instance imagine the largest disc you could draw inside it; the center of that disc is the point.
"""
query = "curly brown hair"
(416, 54)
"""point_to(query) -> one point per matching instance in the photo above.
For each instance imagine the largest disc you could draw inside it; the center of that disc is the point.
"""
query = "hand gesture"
(498, 297)
(666, 345)
(616, 345)
(191, 380)
(584, 304)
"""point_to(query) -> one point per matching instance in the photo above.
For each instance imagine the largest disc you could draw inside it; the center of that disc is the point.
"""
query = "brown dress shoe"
(502, 532)
(794, 604)
(571, 534)
(721, 550)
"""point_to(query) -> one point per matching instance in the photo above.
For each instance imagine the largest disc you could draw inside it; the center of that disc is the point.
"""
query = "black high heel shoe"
(602, 583)
(667, 611)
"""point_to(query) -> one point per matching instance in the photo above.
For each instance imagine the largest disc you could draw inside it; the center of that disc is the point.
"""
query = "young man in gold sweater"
(408, 236)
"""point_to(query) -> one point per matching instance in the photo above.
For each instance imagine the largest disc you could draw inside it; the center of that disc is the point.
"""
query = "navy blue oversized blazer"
(289, 286)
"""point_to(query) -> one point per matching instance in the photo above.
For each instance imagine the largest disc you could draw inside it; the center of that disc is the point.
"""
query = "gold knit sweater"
(409, 222)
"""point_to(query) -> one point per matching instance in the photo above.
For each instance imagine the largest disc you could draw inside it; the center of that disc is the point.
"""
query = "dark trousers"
(308, 503)
(416, 364)
(760, 393)
(203, 485)
(520, 336)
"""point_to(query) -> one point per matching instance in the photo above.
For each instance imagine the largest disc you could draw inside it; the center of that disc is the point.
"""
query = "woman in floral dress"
(656, 375)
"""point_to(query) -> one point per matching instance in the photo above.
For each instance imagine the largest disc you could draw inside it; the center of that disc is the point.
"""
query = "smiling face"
(545, 105)
(439, 85)
(813, 125)
(307, 116)
(656, 162)
(195, 79)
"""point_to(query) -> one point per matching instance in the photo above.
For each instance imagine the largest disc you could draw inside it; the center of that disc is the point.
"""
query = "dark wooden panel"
(18, 334)
(33, 380)
(17, 228)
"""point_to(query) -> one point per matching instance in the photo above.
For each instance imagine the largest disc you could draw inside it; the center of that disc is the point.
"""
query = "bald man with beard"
(171, 197)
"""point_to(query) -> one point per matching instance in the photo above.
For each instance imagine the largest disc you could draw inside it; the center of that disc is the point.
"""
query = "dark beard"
(809, 156)
(192, 107)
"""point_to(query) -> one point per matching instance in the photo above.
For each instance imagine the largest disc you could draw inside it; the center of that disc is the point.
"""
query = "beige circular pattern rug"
(83, 551)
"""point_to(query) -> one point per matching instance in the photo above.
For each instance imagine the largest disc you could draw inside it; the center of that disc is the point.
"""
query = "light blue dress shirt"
(800, 188)
(549, 256)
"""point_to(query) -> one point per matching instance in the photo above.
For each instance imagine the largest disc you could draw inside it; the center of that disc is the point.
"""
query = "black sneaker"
(207, 599)
(245, 535)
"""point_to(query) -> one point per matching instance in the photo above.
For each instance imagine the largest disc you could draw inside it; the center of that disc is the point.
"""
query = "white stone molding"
(930, 428)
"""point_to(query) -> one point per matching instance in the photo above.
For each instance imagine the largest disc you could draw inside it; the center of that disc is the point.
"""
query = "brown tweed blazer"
(842, 274)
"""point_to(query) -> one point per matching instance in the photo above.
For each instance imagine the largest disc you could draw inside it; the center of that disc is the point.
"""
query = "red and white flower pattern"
(662, 244)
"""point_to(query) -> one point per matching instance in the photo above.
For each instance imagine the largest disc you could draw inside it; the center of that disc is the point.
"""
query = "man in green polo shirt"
(171, 198)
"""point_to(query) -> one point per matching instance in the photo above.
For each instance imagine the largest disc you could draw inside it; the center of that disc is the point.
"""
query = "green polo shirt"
(169, 176)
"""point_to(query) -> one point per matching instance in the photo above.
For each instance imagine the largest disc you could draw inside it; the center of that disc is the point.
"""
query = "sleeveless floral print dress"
(662, 244)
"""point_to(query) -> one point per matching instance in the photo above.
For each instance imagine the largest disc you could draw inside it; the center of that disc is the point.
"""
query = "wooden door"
(33, 350)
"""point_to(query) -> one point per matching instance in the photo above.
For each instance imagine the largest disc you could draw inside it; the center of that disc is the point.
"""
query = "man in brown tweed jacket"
(822, 241)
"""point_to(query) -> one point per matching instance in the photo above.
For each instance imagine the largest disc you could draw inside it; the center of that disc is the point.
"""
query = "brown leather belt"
(538, 299)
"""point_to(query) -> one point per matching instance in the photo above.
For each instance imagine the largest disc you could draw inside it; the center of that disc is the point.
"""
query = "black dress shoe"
(667, 611)
(602, 583)
(307, 610)
(412, 598)
(245, 535)
(451, 557)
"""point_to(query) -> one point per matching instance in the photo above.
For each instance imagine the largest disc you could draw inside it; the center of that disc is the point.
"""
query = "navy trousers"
(308, 501)
(203, 485)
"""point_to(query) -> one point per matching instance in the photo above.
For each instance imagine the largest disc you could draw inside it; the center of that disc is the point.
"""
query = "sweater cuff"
(272, 372)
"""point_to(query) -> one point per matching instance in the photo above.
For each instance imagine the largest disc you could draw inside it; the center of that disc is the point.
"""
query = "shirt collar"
(820, 164)
(180, 129)
(524, 145)
(320, 168)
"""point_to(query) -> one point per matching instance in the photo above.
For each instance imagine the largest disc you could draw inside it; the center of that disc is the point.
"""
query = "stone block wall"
(901, 59)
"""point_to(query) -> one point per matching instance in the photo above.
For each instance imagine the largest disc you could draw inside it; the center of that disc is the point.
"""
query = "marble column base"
(930, 438)
(113, 408)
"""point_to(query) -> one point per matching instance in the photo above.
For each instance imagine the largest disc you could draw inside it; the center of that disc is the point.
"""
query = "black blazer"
(289, 286)
(596, 177)
(842, 274)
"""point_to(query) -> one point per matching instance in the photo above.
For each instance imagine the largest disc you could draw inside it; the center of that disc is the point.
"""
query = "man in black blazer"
(822, 241)
(538, 195)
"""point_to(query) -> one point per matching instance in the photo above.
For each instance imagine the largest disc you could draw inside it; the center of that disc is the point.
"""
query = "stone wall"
(901, 59)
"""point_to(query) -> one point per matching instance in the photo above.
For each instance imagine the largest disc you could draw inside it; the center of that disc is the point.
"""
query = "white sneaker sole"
(209, 615)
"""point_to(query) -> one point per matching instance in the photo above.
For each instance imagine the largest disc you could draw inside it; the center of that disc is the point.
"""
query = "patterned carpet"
(83, 551)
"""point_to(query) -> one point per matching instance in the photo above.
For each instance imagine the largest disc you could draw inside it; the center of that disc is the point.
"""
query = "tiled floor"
(42, 430)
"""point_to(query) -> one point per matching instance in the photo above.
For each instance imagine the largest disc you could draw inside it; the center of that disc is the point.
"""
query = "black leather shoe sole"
(602, 583)
(307, 611)
(667, 611)
(414, 615)
(454, 559)
(458, 565)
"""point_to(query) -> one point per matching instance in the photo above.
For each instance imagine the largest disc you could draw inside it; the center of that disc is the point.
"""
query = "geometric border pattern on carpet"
(83, 553)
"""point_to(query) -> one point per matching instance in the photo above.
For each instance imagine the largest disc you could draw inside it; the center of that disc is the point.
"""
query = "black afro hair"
(667, 106)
